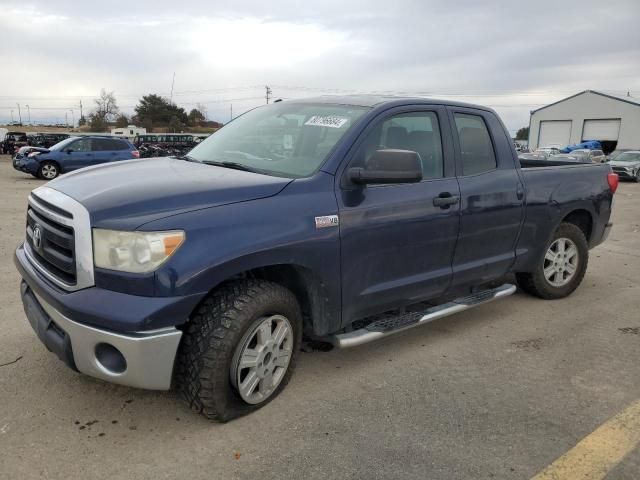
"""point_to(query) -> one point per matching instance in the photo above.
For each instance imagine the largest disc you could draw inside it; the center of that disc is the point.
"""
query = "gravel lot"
(497, 392)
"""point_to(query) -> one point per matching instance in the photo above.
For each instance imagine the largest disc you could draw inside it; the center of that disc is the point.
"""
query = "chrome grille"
(54, 247)
(58, 239)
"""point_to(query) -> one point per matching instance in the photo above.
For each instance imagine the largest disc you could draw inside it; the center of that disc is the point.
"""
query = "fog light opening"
(110, 358)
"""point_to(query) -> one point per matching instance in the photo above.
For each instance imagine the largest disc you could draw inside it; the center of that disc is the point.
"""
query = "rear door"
(492, 197)
(397, 241)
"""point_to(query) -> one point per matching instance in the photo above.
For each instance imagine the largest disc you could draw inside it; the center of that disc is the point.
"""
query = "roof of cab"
(377, 100)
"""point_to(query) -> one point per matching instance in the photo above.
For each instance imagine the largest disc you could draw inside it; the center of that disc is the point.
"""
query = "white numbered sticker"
(326, 121)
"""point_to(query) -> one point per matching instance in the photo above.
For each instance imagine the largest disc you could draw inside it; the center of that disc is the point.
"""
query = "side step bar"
(390, 325)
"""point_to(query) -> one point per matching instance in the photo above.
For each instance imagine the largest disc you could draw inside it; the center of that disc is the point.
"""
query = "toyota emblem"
(37, 236)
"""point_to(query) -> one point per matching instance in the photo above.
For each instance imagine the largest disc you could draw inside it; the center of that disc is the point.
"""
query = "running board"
(394, 324)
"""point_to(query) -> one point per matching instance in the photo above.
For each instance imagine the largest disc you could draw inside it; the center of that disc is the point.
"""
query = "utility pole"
(268, 92)
(172, 82)
(231, 113)
(73, 118)
(19, 114)
(80, 109)
(29, 114)
(66, 119)
(12, 115)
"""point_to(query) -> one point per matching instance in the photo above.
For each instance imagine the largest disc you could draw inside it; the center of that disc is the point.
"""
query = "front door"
(78, 154)
(397, 241)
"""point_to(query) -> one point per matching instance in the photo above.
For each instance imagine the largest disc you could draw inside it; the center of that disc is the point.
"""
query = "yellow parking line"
(596, 454)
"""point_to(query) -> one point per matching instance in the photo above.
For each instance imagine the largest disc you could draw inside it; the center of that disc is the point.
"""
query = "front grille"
(55, 250)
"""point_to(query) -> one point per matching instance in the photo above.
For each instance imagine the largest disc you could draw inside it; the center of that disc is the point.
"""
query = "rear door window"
(102, 145)
(476, 148)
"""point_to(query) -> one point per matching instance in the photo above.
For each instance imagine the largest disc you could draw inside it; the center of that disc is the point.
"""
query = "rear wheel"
(562, 266)
(48, 170)
(238, 351)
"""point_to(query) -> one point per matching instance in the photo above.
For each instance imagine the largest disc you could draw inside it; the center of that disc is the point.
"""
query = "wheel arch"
(309, 289)
(581, 218)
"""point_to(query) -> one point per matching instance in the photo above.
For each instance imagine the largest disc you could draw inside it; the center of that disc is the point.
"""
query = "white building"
(129, 132)
(588, 115)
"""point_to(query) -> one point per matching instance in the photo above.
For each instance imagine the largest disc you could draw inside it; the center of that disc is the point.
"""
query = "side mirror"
(69, 150)
(388, 166)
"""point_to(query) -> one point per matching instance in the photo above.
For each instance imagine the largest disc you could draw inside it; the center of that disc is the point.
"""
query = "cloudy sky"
(513, 56)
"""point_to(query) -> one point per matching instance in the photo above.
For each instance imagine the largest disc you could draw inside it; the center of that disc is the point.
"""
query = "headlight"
(134, 252)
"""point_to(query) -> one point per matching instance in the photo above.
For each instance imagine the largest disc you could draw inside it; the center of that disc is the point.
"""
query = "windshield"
(628, 157)
(282, 139)
(62, 144)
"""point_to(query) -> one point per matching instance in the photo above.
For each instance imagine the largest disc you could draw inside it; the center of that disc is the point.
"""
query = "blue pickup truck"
(341, 219)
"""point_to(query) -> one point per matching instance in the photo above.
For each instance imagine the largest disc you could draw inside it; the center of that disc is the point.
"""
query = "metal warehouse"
(588, 115)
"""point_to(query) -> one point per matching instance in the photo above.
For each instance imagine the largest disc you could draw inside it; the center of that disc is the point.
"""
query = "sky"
(514, 56)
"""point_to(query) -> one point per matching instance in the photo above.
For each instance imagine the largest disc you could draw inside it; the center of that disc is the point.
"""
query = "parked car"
(162, 145)
(570, 157)
(338, 221)
(533, 156)
(549, 150)
(594, 156)
(46, 140)
(74, 153)
(13, 141)
(627, 165)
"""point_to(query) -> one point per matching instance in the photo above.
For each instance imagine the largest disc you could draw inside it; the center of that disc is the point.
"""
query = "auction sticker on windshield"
(326, 121)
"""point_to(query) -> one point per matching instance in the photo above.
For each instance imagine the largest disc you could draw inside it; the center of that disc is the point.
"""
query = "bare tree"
(202, 109)
(106, 106)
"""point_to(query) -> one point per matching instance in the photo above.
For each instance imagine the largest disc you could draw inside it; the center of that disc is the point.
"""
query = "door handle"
(445, 200)
(519, 191)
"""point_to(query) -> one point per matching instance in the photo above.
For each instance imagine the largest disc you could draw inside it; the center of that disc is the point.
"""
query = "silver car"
(627, 165)
(593, 156)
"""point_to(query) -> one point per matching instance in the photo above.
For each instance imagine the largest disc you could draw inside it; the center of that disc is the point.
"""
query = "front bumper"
(143, 359)
(624, 174)
(84, 327)
(25, 164)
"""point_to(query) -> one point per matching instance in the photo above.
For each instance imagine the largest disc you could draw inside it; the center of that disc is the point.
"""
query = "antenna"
(268, 92)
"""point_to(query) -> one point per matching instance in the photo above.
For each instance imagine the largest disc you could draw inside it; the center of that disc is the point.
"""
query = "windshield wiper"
(233, 165)
(185, 157)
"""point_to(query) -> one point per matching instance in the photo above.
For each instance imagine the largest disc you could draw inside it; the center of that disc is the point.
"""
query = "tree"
(174, 124)
(122, 121)
(97, 123)
(82, 121)
(159, 110)
(522, 134)
(196, 117)
(106, 106)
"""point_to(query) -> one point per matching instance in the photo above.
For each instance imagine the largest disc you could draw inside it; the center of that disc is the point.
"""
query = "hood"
(124, 195)
(635, 164)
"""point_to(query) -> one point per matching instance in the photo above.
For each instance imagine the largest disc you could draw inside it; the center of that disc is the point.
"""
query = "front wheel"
(238, 351)
(48, 171)
(562, 266)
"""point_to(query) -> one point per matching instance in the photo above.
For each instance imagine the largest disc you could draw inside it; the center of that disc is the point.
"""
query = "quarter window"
(475, 144)
(415, 131)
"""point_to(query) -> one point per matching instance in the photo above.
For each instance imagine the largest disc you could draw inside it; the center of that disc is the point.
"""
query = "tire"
(557, 286)
(207, 373)
(48, 170)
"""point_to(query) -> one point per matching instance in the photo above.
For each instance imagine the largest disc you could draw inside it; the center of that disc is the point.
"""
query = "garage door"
(554, 132)
(601, 129)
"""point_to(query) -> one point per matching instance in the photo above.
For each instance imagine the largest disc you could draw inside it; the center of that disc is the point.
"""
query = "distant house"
(129, 132)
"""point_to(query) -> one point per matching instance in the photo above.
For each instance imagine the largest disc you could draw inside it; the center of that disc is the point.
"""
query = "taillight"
(613, 180)
(135, 154)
